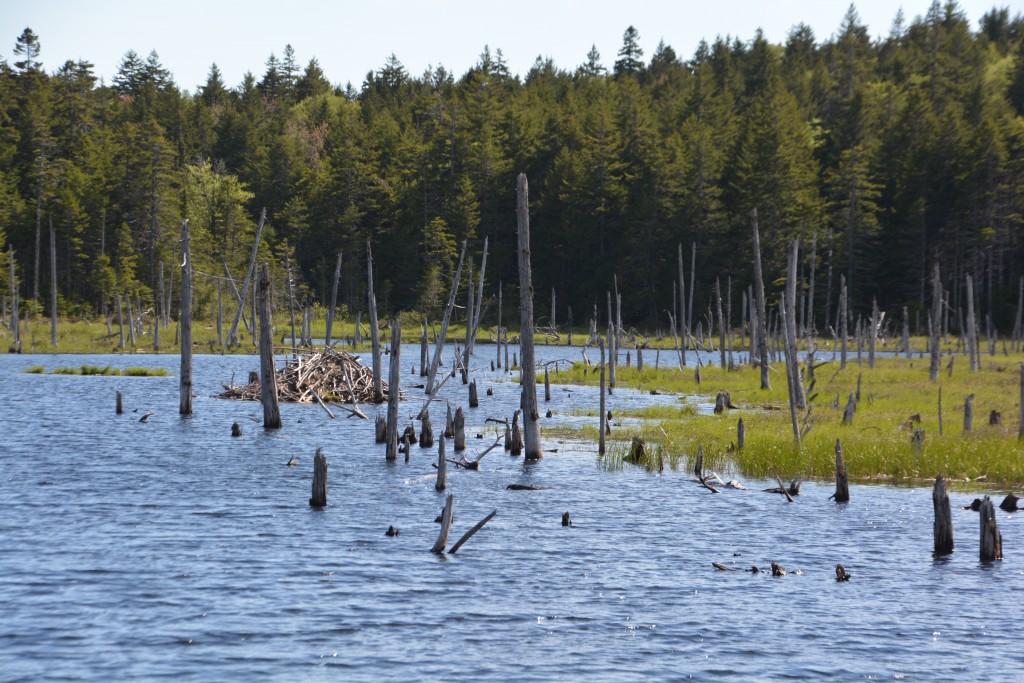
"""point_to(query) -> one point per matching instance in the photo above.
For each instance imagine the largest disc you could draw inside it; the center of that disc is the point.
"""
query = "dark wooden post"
(762, 332)
(991, 544)
(528, 370)
(943, 528)
(873, 333)
(844, 317)
(474, 400)
(547, 385)
(268, 378)
(119, 409)
(334, 301)
(1020, 419)
(968, 412)
(319, 497)
(391, 451)
(972, 337)
(842, 494)
(185, 386)
(446, 525)
(741, 435)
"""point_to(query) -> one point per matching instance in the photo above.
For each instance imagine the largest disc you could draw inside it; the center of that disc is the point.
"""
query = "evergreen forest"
(883, 156)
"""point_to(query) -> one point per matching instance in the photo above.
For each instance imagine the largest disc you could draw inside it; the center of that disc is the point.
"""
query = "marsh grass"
(98, 371)
(877, 445)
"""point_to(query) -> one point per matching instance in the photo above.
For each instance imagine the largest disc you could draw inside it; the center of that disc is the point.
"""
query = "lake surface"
(170, 550)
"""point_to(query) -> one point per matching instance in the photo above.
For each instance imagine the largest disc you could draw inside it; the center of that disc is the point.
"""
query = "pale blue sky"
(350, 38)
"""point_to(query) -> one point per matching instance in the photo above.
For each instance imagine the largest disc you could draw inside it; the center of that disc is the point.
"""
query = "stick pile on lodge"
(330, 375)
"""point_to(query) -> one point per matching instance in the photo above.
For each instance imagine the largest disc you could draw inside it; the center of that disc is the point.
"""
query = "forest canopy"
(887, 155)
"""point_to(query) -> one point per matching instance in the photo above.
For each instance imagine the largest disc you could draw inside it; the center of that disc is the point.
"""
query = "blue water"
(170, 550)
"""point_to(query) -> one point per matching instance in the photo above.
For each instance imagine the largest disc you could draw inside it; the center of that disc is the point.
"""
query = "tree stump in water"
(446, 525)
(254, 377)
(842, 494)
(851, 407)
(426, 431)
(236, 429)
(1009, 503)
(547, 386)
(380, 429)
(943, 528)
(319, 497)
(991, 538)
(449, 424)
(741, 435)
(119, 409)
(442, 466)
(460, 430)
(722, 401)
(517, 436)
(474, 401)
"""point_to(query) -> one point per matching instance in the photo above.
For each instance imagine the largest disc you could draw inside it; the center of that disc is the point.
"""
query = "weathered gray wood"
(378, 392)
(444, 322)
(972, 329)
(53, 285)
(476, 527)
(792, 357)
(318, 499)
(334, 301)
(762, 332)
(291, 300)
(531, 416)
(936, 324)
(991, 543)
(784, 315)
(851, 407)
(185, 383)
(844, 317)
(380, 429)
(547, 385)
(459, 425)
(423, 350)
(721, 323)
(612, 351)
(917, 440)
(942, 531)
(426, 431)
(741, 435)
(470, 323)
(446, 525)
(442, 466)
(873, 333)
(842, 494)
(517, 436)
(478, 309)
(249, 276)
(602, 423)
(119, 408)
(693, 275)
(131, 321)
(968, 412)
(15, 327)
(681, 314)
(268, 378)
(391, 451)
(474, 400)
(220, 316)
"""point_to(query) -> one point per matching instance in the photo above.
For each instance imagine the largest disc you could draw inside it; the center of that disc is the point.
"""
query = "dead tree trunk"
(378, 393)
(531, 417)
(185, 386)
(721, 323)
(942, 531)
(446, 525)
(842, 494)
(318, 499)
(439, 342)
(680, 322)
(790, 368)
(991, 539)
(906, 332)
(334, 301)
(873, 332)
(793, 358)
(53, 285)
(762, 332)
(459, 427)
(291, 302)
(233, 334)
(268, 378)
(602, 421)
(936, 324)
(972, 337)
(1020, 418)
(478, 309)
(442, 465)
(968, 413)
(474, 399)
(391, 450)
(844, 316)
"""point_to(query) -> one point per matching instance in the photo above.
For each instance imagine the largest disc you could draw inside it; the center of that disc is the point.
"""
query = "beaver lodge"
(330, 375)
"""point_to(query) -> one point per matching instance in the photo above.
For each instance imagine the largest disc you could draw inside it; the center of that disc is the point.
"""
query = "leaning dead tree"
(233, 334)
(434, 364)
(267, 384)
(528, 402)
(378, 395)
